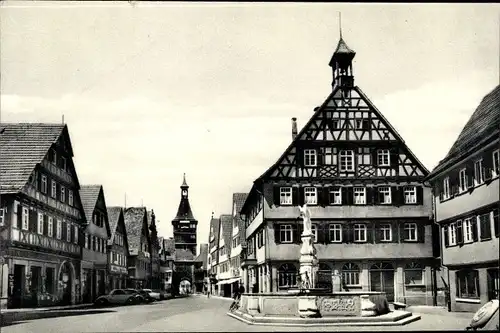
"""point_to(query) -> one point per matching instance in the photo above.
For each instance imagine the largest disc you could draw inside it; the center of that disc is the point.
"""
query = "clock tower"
(184, 227)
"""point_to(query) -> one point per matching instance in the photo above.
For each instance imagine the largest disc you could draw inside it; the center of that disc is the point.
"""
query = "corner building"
(371, 214)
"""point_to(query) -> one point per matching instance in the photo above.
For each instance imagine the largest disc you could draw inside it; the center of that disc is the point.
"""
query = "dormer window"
(310, 159)
(478, 172)
(52, 156)
(63, 163)
(446, 188)
(462, 179)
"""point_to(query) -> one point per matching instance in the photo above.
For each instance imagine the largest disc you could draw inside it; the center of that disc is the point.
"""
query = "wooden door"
(382, 279)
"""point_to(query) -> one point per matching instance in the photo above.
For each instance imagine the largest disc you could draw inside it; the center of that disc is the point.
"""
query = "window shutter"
(445, 236)
(370, 230)
(488, 166)
(326, 196)
(378, 232)
(374, 157)
(420, 233)
(401, 232)
(394, 157)
(295, 233)
(39, 181)
(474, 228)
(345, 201)
(485, 227)
(58, 191)
(45, 225)
(72, 234)
(495, 221)
(345, 233)
(326, 233)
(54, 227)
(395, 195)
(350, 195)
(321, 233)
(319, 155)
(19, 216)
(301, 195)
(300, 156)
(469, 171)
(33, 220)
(420, 195)
(276, 195)
(295, 195)
(376, 196)
(63, 233)
(460, 234)
(319, 196)
(395, 232)
(369, 195)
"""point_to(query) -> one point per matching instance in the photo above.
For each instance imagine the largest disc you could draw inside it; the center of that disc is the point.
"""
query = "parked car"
(117, 296)
(144, 296)
(486, 318)
(154, 294)
(137, 295)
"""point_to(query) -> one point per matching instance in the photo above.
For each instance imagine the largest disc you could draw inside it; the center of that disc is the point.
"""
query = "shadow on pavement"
(8, 319)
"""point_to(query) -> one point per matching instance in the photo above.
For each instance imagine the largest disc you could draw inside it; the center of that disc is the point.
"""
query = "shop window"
(414, 275)
(49, 280)
(467, 284)
(493, 289)
(287, 276)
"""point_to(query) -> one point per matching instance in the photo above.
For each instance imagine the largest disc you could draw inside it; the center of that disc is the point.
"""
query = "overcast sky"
(150, 91)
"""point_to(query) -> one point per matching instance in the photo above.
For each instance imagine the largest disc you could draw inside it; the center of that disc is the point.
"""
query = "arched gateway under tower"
(184, 227)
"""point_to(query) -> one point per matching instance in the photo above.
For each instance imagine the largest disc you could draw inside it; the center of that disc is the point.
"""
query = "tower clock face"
(184, 192)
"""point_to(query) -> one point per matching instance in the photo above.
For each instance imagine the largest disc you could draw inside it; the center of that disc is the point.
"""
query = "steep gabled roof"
(226, 222)
(134, 223)
(89, 195)
(170, 245)
(238, 202)
(22, 147)
(484, 122)
(115, 214)
(203, 255)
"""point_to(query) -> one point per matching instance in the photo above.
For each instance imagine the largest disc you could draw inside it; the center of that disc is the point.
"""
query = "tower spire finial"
(340, 24)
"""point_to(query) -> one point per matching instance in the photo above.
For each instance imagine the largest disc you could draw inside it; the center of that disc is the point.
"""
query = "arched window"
(287, 276)
(324, 276)
(324, 267)
(414, 274)
(314, 230)
(350, 274)
(381, 266)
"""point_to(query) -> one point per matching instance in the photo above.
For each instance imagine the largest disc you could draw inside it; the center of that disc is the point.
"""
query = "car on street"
(156, 294)
(142, 295)
(117, 297)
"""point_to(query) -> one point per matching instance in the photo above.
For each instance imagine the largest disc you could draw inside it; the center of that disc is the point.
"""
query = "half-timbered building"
(167, 258)
(184, 226)
(118, 252)
(237, 230)
(467, 202)
(95, 239)
(224, 276)
(370, 211)
(139, 260)
(200, 269)
(213, 255)
(41, 214)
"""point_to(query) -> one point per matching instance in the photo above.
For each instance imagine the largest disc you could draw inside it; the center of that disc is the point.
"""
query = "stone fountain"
(307, 305)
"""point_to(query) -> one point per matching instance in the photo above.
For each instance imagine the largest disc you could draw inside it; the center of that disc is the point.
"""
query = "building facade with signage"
(95, 239)
(117, 249)
(371, 214)
(467, 201)
(41, 215)
(139, 260)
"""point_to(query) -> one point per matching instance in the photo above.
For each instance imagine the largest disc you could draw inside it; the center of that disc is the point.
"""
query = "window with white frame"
(286, 235)
(360, 232)
(410, 193)
(346, 160)
(39, 228)
(335, 233)
(383, 157)
(496, 163)
(386, 233)
(410, 232)
(76, 234)
(467, 281)
(314, 230)
(285, 195)
(63, 194)
(70, 197)
(350, 274)
(414, 274)
(336, 195)
(467, 229)
(311, 195)
(452, 234)
(53, 192)
(310, 159)
(359, 195)
(50, 226)
(25, 217)
(2, 216)
(68, 232)
(462, 180)
(44, 184)
(385, 194)
(478, 172)
(59, 229)
(446, 188)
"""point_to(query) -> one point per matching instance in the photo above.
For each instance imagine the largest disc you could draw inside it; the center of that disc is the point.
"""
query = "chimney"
(316, 109)
(294, 128)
